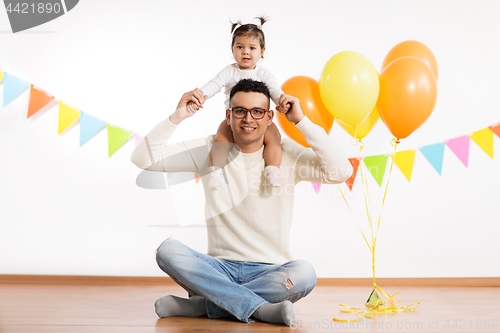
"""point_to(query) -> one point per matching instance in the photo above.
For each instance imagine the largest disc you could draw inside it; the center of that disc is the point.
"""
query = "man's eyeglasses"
(256, 113)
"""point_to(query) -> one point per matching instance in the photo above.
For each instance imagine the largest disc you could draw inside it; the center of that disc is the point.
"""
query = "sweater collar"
(248, 158)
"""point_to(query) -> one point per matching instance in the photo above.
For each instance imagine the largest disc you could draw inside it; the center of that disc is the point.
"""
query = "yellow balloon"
(349, 86)
(362, 130)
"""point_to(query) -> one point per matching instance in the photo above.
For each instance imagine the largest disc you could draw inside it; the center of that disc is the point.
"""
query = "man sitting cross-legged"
(249, 272)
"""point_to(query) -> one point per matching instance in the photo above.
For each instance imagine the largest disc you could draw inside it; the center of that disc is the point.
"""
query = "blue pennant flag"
(12, 87)
(434, 154)
(89, 126)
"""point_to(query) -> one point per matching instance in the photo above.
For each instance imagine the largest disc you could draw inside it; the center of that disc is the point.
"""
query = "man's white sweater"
(247, 219)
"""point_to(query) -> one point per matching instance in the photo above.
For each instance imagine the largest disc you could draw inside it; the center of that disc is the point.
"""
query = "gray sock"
(173, 306)
(276, 313)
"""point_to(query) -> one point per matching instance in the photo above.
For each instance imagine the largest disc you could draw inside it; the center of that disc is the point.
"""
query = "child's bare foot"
(215, 177)
(273, 176)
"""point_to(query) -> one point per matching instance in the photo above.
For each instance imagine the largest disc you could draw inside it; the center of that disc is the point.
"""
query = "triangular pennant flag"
(484, 139)
(67, 116)
(316, 187)
(355, 165)
(496, 129)
(404, 160)
(1, 76)
(434, 154)
(460, 147)
(116, 138)
(197, 177)
(138, 138)
(38, 99)
(376, 164)
(12, 87)
(89, 126)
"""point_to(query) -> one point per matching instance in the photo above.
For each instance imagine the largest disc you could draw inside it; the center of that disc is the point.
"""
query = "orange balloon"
(306, 90)
(408, 94)
(412, 48)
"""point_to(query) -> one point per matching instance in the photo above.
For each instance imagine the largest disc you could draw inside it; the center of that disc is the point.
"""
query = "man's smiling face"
(248, 133)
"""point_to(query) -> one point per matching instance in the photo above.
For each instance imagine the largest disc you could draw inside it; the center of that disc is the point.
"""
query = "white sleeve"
(215, 85)
(325, 162)
(274, 87)
(154, 154)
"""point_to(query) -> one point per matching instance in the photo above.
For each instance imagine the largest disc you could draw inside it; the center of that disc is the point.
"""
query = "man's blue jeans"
(231, 287)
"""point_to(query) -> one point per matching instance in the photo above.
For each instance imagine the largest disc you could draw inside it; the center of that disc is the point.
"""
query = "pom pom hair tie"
(239, 24)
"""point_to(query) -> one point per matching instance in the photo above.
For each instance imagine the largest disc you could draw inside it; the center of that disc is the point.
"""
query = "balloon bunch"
(352, 92)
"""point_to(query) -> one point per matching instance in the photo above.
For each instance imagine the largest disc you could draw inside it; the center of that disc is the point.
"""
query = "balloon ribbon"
(375, 304)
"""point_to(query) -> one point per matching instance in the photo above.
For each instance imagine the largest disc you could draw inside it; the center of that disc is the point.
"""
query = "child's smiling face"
(247, 51)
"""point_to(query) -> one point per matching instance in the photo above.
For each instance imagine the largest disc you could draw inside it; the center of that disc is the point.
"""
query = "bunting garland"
(404, 160)
(90, 125)
(138, 138)
(376, 165)
(460, 147)
(12, 88)
(484, 139)
(38, 99)
(434, 154)
(117, 136)
(355, 165)
(496, 129)
(67, 116)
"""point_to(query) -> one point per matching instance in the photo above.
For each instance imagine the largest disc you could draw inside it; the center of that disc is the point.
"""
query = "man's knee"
(167, 252)
(303, 274)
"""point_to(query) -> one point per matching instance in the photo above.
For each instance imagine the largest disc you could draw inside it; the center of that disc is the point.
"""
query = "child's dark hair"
(249, 85)
(250, 30)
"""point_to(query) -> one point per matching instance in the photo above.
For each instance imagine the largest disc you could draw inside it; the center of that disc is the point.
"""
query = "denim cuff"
(216, 312)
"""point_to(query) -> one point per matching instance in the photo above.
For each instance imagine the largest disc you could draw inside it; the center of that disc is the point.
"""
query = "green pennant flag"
(376, 164)
(116, 138)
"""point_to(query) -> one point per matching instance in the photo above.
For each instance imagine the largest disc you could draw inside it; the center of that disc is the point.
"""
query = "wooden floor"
(128, 308)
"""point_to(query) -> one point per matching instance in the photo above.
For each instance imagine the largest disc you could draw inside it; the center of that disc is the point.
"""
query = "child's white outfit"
(231, 74)
(227, 79)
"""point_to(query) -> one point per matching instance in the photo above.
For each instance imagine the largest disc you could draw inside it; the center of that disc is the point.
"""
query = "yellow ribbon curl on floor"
(387, 304)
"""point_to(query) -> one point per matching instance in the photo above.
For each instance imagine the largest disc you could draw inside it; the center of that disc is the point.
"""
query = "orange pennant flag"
(355, 165)
(197, 177)
(38, 99)
(404, 160)
(496, 129)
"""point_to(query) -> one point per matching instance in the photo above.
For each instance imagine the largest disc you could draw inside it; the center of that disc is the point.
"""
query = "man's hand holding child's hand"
(188, 105)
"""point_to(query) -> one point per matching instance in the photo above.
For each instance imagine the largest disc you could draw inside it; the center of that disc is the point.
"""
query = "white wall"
(67, 209)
